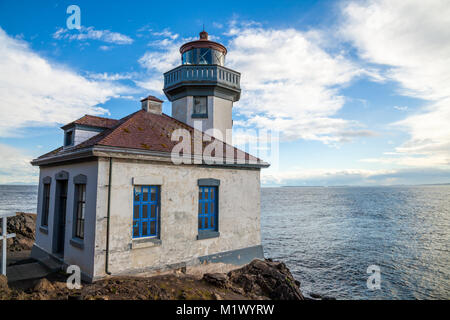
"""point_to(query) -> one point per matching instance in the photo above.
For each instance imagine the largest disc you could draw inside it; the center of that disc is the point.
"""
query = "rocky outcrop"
(260, 279)
(219, 280)
(23, 225)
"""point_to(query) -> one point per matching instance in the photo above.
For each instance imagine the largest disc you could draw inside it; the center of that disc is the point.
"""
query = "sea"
(345, 242)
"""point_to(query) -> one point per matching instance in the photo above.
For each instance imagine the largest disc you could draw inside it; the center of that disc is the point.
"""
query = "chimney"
(152, 104)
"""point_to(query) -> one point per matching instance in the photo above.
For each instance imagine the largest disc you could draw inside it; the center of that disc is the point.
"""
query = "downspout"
(108, 218)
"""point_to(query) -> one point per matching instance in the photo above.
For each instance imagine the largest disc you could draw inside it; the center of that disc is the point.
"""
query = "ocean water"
(329, 236)
(18, 198)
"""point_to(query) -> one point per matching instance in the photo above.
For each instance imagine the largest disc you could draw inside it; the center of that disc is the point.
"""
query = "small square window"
(200, 107)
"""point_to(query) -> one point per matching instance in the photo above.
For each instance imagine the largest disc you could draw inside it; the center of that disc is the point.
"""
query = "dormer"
(85, 128)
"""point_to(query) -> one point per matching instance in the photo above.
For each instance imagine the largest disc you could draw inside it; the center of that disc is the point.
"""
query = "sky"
(359, 91)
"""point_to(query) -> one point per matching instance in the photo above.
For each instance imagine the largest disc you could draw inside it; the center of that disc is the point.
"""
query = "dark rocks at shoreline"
(23, 225)
(270, 279)
(259, 280)
(316, 296)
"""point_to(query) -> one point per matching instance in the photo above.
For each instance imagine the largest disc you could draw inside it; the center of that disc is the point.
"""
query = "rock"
(180, 271)
(4, 288)
(23, 225)
(315, 295)
(217, 296)
(60, 285)
(267, 278)
(44, 285)
(3, 282)
(216, 279)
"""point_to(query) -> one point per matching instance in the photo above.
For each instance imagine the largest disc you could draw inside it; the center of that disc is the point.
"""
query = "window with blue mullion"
(207, 208)
(146, 211)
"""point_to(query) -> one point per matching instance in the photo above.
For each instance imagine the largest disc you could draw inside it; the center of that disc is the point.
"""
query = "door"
(60, 217)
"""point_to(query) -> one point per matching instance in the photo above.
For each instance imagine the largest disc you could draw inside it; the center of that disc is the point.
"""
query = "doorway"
(59, 224)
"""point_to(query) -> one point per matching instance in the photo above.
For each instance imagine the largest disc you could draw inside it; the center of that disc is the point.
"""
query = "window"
(203, 56)
(80, 194)
(45, 205)
(146, 211)
(200, 107)
(207, 208)
(68, 138)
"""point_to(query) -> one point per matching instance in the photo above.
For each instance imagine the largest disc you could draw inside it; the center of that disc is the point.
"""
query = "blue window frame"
(146, 206)
(207, 208)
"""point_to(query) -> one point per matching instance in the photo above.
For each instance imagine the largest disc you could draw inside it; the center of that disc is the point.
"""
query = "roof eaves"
(65, 156)
(167, 157)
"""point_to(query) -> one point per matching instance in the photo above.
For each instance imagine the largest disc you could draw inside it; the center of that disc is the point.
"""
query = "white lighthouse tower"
(202, 90)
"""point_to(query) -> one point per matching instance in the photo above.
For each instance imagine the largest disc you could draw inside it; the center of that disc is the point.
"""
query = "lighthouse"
(112, 201)
(202, 90)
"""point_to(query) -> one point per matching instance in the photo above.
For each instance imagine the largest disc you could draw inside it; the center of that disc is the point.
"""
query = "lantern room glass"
(203, 56)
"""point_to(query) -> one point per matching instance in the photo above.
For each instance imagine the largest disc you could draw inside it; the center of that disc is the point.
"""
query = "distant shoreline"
(363, 186)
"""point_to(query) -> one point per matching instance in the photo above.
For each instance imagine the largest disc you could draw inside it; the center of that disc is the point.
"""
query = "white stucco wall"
(223, 116)
(180, 108)
(83, 135)
(219, 113)
(239, 214)
(72, 255)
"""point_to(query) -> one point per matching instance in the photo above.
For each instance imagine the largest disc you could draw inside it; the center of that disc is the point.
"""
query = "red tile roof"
(147, 131)
(93, 121)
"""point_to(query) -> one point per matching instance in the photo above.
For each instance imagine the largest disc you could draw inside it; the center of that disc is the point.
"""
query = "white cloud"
(15, 166)
(110, 76)
(165, 55)
(89, 33)
(35, 92)
(401, 108)
(412, 38)
(167, 34)
(290, 83)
